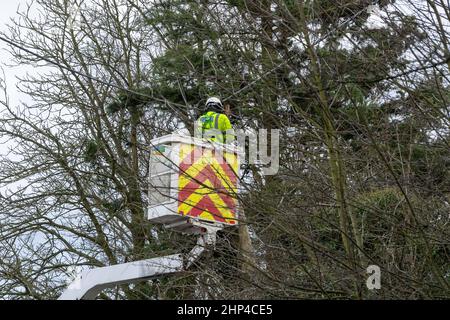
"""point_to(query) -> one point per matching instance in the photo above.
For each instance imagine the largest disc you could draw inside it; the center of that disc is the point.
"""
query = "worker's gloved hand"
(227, 110)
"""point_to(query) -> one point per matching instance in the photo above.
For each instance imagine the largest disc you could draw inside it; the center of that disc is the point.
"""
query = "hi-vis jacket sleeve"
(226, 127)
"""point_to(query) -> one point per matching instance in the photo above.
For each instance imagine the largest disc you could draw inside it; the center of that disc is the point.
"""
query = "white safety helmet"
(214, 103)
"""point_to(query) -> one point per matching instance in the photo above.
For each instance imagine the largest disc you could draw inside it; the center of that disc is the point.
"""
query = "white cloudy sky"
(8, 11)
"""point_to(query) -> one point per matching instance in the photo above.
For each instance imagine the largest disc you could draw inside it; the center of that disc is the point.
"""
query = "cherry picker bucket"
(193, 183)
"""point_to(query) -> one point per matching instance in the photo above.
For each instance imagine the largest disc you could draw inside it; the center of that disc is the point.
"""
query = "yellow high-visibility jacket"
(215, 127)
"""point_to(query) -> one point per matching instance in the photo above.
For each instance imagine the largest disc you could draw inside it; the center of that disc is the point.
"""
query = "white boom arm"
(91, 282)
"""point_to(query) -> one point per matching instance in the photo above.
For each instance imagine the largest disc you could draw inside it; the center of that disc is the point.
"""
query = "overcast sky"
(8, 10)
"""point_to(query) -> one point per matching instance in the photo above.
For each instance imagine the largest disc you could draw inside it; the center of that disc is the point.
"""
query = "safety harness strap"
(216, 121)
